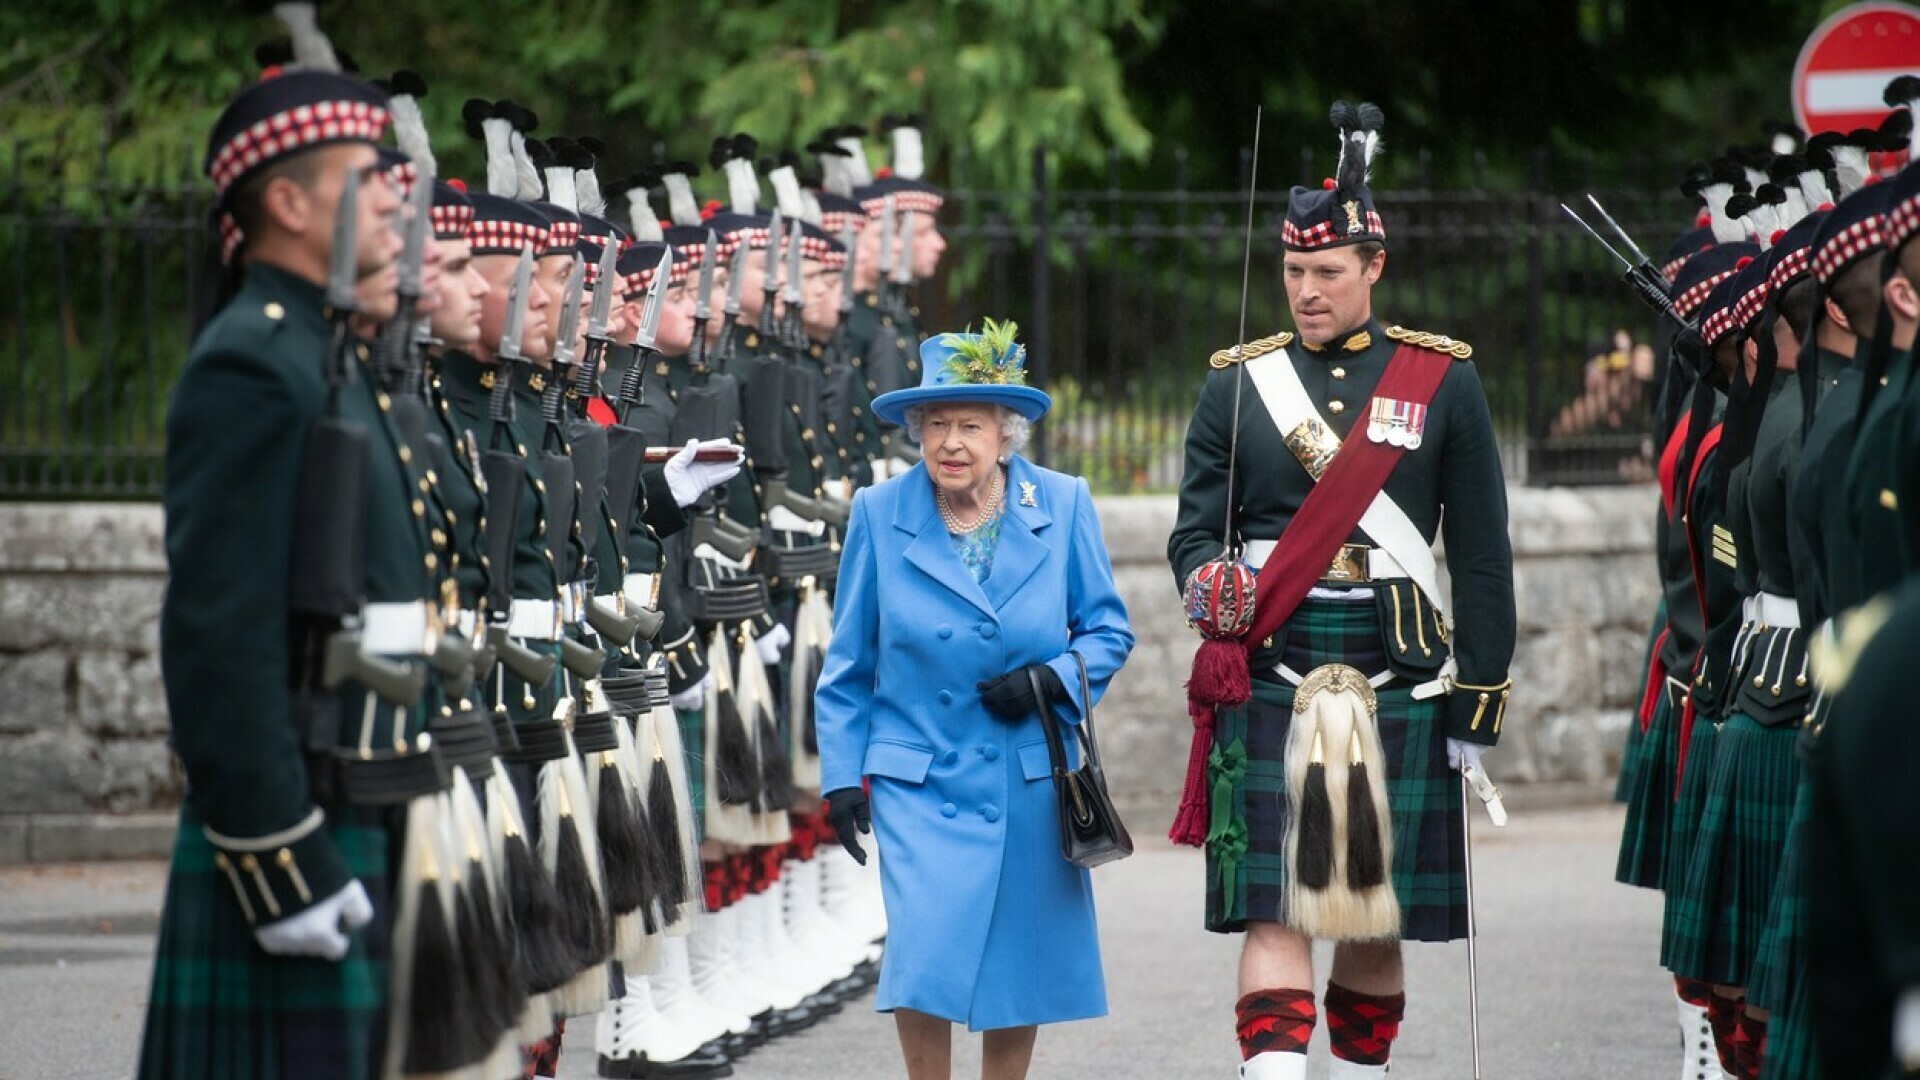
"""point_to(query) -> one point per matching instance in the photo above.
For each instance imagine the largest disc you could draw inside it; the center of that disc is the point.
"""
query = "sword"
(1229, 549)
(1473, 959)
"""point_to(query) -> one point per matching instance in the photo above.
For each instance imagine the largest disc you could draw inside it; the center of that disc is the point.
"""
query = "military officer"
(280, 863)
(1367, 635)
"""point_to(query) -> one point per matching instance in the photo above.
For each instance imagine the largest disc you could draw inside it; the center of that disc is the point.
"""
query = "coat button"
(951, 757)
(946, 698)
(990, 752)
(989, 631)
(1336, 407)
(944, 631)
(948, 809)
(990, 812)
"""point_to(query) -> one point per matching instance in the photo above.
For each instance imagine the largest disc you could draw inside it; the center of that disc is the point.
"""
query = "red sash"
(1325, 520)
(1682, 499)
(1670, 462)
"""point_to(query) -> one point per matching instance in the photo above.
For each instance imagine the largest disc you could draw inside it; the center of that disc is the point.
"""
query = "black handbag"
(1091, 832)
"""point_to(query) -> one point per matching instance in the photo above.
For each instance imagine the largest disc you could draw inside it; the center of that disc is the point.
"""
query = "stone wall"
(83, 722)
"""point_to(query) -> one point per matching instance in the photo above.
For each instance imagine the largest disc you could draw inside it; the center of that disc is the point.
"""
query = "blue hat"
(1342, 212)
(988, 368)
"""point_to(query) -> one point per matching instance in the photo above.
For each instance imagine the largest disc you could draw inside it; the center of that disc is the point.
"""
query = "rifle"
(770, 277)
(703, 301)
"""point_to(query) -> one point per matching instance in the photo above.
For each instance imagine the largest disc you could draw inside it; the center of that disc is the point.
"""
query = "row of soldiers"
(502, 522)
(1766, 778)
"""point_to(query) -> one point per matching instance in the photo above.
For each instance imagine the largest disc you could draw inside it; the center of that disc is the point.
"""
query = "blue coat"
(986, 923)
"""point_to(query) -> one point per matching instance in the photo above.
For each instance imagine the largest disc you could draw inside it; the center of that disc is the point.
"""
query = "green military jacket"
(1457, 467)
(253, 386)
(466, 385)
(1871, 481)
(1818, 501)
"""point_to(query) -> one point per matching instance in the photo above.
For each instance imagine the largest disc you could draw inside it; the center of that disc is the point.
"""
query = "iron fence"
(1122, 295)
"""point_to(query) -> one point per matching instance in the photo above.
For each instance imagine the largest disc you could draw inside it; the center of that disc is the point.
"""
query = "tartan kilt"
(693, 740)
(1630, 755)
(1246, 871)
(1790, 1040)
(1643, 838)
(220, 1008)
(1780, 965)
(1735, 862)
(1682, 823)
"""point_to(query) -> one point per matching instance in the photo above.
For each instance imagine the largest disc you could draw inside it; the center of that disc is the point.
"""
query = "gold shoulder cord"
(1227, 357)
(1503, 688)
(1439, 343)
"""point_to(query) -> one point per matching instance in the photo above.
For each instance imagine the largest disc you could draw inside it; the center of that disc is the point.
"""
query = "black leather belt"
(594, 733)
(466, 740)
(540, 742)
(389, 779)
(792, 563)
(728, 603)
(628, 691)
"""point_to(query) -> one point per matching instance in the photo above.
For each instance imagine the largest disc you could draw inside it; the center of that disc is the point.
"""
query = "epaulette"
(1835, 657)
(1439, 343)
(1227, 357)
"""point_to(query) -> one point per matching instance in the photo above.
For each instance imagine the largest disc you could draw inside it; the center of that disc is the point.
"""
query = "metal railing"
(1122, 295)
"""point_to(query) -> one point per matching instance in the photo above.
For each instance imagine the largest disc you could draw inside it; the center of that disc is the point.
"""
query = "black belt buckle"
(594, 733)
(659, 695)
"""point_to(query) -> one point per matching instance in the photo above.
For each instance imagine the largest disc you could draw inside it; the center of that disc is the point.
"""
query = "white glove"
(769, 644)
(1461, 754)
(1906, 1029)
(322, 929)
(693, 698)
(689, 479)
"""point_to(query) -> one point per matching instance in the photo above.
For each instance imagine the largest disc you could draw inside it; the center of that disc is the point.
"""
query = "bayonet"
(849, 237)
(884, 261)
(771, 272)
(903, 262)
(500, 405)
(1642, 278)
(795, 298)
(1640, 257)
(398, 339)
(415, 233)
(703, 303)
(586, 377)
(736, 276)
(343, 268)
(645, 340)
(575, 291)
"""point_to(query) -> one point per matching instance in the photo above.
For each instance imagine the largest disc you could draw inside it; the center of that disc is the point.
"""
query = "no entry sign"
(1845, 66)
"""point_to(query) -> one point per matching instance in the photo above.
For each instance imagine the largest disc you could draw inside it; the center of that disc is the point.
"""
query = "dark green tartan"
(1630, 756)
(1780, 965)
(1735, 861)
(1682, 823)
(1246, 875)
(693, 742)
(1643, 839)
(1791, 1054)
(222, 1009)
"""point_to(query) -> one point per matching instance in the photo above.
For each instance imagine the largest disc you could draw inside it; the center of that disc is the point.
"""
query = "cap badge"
(1352, 207)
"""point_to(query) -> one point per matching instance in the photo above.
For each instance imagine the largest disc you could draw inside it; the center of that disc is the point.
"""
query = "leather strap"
(1336, 504)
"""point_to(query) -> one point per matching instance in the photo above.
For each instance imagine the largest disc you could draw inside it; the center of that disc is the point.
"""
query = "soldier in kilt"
(274, 940)
(1400, 686)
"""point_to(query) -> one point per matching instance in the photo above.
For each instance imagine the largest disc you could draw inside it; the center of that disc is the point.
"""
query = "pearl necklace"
(987, 513)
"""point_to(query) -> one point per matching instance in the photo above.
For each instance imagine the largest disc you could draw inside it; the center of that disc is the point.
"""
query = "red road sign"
(1846, 65)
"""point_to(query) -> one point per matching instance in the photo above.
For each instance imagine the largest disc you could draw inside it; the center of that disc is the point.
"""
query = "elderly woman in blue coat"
(960, 584)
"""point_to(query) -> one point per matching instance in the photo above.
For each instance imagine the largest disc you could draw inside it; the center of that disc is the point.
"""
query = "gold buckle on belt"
(1349, 566)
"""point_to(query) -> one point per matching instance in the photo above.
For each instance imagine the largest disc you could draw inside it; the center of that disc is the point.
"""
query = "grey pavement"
(1568, 976)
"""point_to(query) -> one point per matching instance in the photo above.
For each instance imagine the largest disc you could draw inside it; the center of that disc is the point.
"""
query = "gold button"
(419, 508)
(1339, 373)
(385, 402)
(406, 454)
(540, 486)
(431, 477)
(424, 486)
(1336, 407)
(432, 562)
(439, 538)
(274, 311)
(1888, 499)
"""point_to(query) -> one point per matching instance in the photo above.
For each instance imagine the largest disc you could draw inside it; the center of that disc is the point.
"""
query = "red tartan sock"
(713, 876)
(1723, 1015)
(543, 1057)
(1362, 1026)
(1274, 1022)
(1753, 1046)
(1693, 991)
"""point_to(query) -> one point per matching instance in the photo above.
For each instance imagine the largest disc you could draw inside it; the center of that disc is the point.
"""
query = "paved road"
(1569, 986)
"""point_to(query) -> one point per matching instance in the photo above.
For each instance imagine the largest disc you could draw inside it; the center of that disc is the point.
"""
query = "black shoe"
(823, 1004)
(737, 1045)
(707, 1063)
(798, 1018)
(616, 1068)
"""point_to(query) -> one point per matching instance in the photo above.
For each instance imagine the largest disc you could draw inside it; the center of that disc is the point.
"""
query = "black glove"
(1010, 696)
(847, 809)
